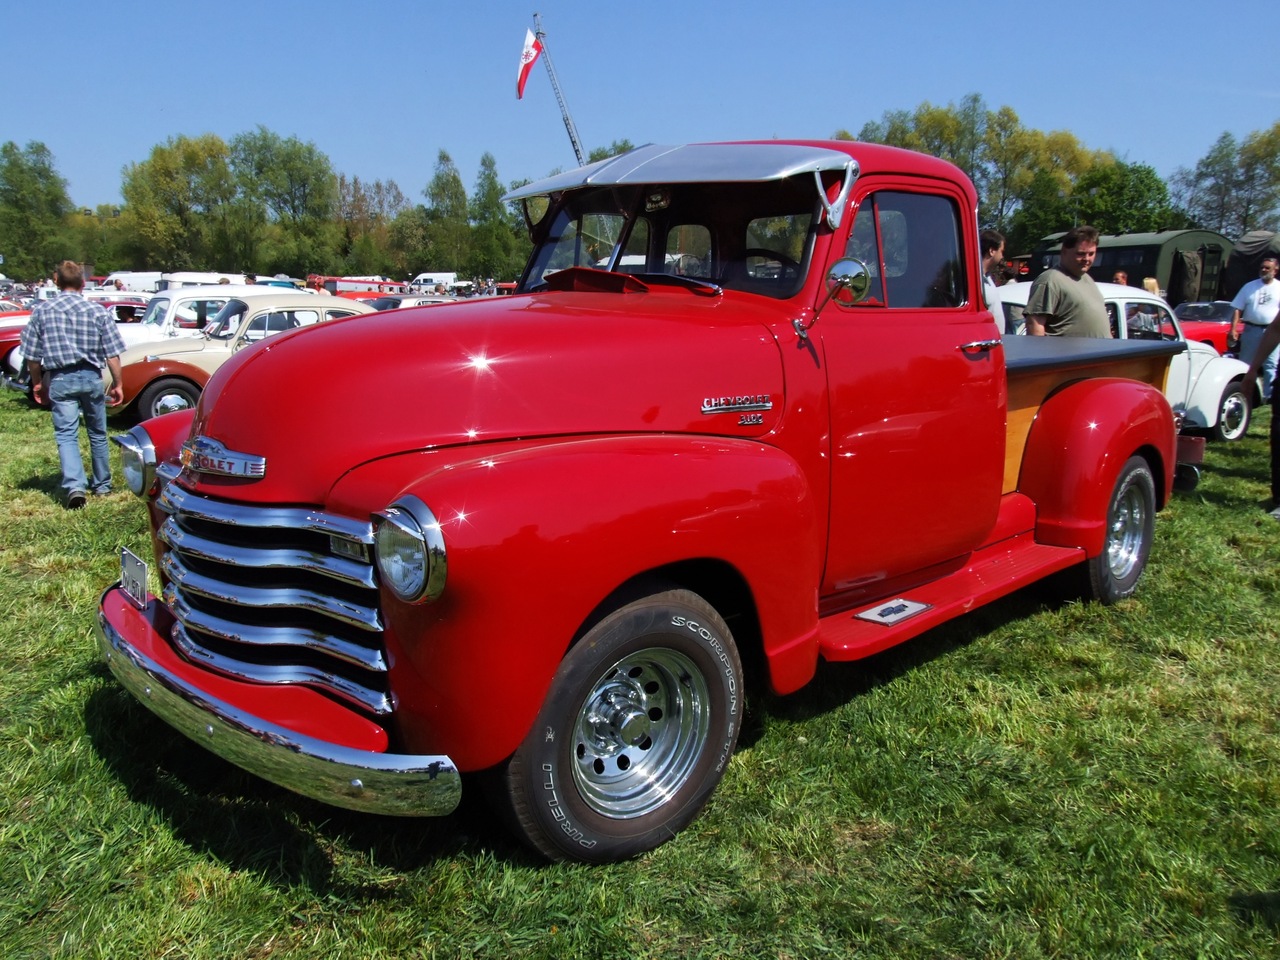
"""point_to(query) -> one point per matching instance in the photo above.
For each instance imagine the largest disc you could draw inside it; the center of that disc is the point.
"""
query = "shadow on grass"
(252, 825)
(1262, 907)
(836, 684)
(49, 484)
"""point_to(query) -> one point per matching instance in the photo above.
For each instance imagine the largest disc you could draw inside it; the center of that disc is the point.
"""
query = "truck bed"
(1037, 366)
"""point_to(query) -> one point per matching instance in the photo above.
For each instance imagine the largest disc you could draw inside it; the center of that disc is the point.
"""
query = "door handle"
(981, 345)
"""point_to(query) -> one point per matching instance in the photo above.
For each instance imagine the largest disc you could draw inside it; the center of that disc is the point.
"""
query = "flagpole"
(555, 86)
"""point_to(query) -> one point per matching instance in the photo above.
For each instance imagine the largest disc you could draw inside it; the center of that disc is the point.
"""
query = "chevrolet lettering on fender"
(555, 567)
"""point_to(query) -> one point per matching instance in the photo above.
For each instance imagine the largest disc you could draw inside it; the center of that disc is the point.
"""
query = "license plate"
(133, 578)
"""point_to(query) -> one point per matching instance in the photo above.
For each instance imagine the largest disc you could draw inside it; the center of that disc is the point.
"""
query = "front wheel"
(1234, 411)
(636, 732)
(1131, 514)
(167, 396)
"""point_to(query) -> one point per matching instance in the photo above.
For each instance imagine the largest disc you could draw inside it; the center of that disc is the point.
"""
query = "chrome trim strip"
(269, 598)
(375, 701)
(336, 568)
(384, 783)
(174, 500)
(289, 639)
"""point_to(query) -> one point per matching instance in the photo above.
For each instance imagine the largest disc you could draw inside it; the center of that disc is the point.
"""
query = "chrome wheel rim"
(640, 732)
(1233, 416)
(1127, 533)
(171, 403)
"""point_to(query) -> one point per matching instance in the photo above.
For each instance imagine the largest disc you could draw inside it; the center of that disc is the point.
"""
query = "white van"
(429, 281)
(184, 311)
(143, 281)
(191, 278)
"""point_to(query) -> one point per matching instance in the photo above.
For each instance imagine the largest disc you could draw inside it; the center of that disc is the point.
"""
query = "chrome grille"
(260, 595)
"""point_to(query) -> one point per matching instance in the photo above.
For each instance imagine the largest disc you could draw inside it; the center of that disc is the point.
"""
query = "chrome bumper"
(371, 782)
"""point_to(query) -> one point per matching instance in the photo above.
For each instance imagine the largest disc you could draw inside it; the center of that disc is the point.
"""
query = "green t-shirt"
(1074, 307)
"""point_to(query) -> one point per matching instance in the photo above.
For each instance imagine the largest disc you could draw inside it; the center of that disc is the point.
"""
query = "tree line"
(266, 203)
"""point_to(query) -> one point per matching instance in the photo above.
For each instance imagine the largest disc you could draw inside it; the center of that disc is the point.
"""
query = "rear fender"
(537, 535)
(1082, 435)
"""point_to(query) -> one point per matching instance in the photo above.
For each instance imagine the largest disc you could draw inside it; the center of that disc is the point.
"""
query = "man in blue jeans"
(68, 340)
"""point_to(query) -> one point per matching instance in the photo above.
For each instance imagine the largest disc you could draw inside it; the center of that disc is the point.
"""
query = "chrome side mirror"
(848, 283)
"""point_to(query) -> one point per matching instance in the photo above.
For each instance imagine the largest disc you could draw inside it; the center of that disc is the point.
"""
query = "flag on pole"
(528, 57)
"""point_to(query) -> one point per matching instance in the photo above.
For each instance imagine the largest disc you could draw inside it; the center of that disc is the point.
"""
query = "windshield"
(228, 320)
(754, 237)
(156, 311)
(1218, 310)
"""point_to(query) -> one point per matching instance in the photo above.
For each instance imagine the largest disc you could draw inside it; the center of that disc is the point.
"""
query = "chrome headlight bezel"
(410, 551)
(138, 461)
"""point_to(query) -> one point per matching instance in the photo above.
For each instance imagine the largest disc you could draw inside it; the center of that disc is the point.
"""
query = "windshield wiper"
(703, 287)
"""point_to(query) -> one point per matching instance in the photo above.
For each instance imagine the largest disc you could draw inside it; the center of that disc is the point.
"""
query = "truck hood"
(319, 402)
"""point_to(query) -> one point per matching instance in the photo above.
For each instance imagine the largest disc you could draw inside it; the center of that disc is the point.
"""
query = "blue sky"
(382, 86)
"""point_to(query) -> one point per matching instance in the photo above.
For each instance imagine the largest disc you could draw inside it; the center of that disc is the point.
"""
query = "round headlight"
(410, 550)
(138, 460)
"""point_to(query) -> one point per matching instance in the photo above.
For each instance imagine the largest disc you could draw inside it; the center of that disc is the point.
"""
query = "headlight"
(138, 459)
(410, 549)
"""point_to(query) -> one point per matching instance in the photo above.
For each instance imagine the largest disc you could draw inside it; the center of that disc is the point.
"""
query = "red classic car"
(1208, 323)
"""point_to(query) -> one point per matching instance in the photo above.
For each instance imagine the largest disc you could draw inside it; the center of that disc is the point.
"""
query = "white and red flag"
(528, 57)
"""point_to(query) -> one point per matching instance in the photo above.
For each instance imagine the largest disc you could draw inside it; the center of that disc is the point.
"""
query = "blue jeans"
(1250, 340)
(72, 393)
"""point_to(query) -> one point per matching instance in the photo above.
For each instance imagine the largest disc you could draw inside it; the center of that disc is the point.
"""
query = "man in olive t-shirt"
(1064, 300)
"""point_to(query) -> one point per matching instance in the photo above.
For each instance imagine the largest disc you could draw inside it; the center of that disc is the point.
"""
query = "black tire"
(1234, 412)
(167, 396)
(636, 732)
(1131, 516)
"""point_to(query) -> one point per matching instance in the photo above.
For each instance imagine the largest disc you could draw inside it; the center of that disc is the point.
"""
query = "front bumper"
(203, 706)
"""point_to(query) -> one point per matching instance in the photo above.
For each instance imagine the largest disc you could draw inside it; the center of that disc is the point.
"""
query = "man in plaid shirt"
(68, 340)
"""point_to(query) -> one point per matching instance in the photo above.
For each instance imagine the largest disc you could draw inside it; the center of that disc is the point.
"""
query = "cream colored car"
(162, 376)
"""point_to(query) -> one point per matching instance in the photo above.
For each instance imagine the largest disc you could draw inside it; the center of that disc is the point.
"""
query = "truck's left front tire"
(635, 734)
(1131, 513)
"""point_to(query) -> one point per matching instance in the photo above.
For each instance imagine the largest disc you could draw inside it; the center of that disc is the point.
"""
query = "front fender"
(1081, 437)
(537, 535)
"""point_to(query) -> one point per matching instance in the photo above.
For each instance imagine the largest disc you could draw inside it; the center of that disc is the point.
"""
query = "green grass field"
(1043, 778)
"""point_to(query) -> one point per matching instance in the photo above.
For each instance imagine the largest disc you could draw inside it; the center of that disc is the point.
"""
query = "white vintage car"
(1206, 389)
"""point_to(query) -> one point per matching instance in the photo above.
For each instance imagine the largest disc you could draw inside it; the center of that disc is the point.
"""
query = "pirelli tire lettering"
(635, 734)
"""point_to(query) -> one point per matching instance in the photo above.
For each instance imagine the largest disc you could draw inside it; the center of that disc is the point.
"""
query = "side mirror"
(848, 283)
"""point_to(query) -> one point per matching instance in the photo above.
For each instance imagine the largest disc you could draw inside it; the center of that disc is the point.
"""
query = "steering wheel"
(790, 269)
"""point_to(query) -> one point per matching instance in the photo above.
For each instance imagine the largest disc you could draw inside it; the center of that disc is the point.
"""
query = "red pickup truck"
(746, 410)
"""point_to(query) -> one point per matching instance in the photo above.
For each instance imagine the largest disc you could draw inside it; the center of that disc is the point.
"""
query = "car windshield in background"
(1218, 310)
(755, 237)
(228, 320)
(156, 311)
(385, 303)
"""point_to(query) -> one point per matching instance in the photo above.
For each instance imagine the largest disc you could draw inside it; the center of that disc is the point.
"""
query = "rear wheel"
(167, 396)
(635, 734)
(1131, 512)
(1234, 412)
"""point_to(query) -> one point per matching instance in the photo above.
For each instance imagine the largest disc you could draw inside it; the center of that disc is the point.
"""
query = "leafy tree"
(177, 203)
(1235, 187)
(498, 248)
(34, 208)
(448, 224)
(612, 150)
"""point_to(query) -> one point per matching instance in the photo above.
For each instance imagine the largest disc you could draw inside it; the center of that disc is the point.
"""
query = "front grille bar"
(374, 701)
(336, 568)
(269, 598)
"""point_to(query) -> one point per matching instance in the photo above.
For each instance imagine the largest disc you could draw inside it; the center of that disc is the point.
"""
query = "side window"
(1113, 317)
(337, 314)
(914, 240)
(1143, 321)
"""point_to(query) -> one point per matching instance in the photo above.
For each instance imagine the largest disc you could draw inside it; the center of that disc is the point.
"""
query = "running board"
(990, 574)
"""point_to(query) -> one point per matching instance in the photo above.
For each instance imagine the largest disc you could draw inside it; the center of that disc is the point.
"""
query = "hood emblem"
(205, 455)
(735, 404)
